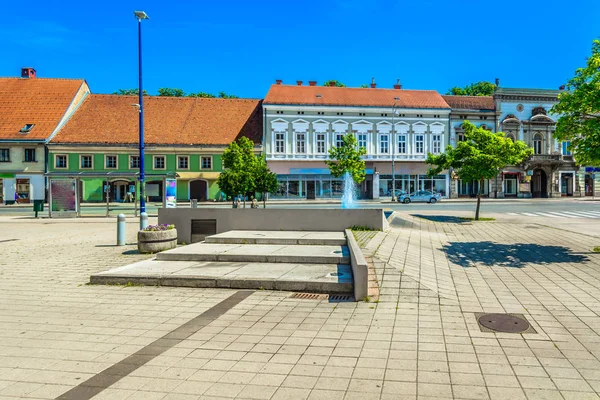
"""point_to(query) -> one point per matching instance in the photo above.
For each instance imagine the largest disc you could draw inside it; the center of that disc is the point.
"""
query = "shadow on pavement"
(517, 255)
(442, 218)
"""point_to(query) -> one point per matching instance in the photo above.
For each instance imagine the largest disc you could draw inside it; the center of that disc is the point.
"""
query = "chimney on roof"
(398, 85)
(312, 83)
(299, 83)
(373, 84)
(278, 81)
(28, 72)
(561, 87)
(497, 82)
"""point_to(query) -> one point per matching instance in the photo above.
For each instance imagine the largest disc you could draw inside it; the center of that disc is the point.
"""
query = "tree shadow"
(442, 218)
(516, 255)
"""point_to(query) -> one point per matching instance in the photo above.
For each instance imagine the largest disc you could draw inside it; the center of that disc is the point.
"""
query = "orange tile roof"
(111, 119)
(39, 101)
(344, 96)
(470, 102)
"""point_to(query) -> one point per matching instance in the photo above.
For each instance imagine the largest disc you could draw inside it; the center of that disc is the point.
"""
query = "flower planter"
(157, 241)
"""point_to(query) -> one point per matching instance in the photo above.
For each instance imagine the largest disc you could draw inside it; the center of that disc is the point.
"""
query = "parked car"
(420, 196)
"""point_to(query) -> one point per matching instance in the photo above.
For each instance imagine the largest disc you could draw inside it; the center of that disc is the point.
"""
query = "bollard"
(143, 220)
(121, 230)
(194, 203)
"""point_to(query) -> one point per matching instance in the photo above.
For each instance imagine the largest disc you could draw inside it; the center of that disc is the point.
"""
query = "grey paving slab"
(279, 237)
(314, 254)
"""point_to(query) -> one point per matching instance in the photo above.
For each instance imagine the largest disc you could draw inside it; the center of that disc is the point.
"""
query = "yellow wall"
(17, 157)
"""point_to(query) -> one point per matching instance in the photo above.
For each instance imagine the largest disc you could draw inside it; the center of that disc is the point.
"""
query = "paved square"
(420, 340)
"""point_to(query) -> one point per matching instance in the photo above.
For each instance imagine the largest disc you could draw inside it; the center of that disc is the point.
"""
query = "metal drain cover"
(504, 323)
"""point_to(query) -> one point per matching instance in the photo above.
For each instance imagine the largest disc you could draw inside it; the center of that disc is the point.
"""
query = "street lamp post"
(393, 142)
(140, 15)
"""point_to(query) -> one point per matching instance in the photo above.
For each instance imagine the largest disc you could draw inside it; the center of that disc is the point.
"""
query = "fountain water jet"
(349, 196)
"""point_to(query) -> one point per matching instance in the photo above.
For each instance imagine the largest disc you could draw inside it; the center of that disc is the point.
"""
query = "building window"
(510, 137)
(402, 144)
(320, 143)
(537, 144)
(29, 155)
(134, 162)
(279, 143)
(566, 151)
(4, 155)
(419, 144)
(183, 162)
(60, 161)
(86, 162)
(339, 140)
(300, 143)
(206, 162)
(460, 137)
(110, 162)
(362, 141)
(159, 162)
(437, 144)
(384, 145)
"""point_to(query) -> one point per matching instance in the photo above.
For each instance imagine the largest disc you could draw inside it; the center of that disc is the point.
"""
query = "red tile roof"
(470, 102)
(39, 101)
(111, 119)
(343, 96)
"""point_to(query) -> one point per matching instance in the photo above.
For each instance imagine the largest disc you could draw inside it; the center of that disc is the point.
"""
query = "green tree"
(265, 181)
(333, 83)
(482, 88)
(480, 156)
(130, 92)
(201, 94)
(347, 158)
(239, 162)
(171, 92)
(224, 95)
(580, 109)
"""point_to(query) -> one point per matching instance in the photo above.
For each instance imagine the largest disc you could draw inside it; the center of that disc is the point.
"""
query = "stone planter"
(157, 241)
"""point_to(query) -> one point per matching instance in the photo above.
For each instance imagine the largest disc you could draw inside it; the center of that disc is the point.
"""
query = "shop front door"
(198, 190)
(589, 185)
(22, 194)
(310, 190)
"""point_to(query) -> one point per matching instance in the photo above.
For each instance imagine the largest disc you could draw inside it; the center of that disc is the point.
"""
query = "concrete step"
(313, 278)
(279, 237)
(261, 253)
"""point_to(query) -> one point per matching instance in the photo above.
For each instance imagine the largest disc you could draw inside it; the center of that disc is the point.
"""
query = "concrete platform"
(279, 237)
(297, 277)
(258, 253)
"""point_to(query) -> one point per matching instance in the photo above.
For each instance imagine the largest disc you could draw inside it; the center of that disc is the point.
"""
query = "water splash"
(349, 196)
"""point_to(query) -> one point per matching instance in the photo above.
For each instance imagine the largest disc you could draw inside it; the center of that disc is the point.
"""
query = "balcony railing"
(551, 157)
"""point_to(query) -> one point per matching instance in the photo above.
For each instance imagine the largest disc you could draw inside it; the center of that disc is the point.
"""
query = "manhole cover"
(503, 323)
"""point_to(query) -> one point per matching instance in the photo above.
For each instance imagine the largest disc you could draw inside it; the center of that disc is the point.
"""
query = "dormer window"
(27, 128)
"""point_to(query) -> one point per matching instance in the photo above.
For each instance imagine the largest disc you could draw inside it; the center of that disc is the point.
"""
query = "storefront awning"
(197, 175)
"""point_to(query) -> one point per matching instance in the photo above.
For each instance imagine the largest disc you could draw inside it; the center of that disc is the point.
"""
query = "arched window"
(537, 143)
(511, 137)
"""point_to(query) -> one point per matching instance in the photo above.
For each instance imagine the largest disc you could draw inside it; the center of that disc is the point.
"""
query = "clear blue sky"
(242, 46)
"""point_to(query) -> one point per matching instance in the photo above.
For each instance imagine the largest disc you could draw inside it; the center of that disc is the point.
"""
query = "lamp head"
(140, 15)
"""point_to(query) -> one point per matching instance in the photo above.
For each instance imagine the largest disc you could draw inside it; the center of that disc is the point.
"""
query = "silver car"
(423, 196)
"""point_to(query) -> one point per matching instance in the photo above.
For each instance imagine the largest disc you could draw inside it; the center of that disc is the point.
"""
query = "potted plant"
(156, 238)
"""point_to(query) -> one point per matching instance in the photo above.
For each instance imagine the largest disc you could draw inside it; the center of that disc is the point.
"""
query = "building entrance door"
(310, 190)
(510, 186)
(198, 190)
(22, 194)
(1, 190)
(566, 185)
(539, 184)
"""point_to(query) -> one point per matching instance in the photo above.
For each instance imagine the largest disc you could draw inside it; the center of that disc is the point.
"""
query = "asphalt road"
(490, 206)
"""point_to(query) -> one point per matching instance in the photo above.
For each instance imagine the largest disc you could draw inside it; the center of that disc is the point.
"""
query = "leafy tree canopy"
(480, 156)
(224, 95)
(171, 92)
(580, 109)
(130, 92)
(201, 94)
(482, 88)
(265, 181)
(333, 83)
(348, 158)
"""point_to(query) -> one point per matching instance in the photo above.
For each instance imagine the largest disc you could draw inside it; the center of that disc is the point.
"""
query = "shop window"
(4, 155)
(159, 162)
(134, 162)
(86, 162)
(206, 162)
(279, 143)
(110, 162)
(183, 162)
(60, 161)
(320, 143)
(30, 155)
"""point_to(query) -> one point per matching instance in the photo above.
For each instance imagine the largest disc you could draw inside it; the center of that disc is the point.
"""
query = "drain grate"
(505, 323)
(322, 296)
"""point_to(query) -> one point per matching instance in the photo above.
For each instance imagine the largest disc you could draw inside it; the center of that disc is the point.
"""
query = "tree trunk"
(478, 199)
(233, 202)
(264, 200)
